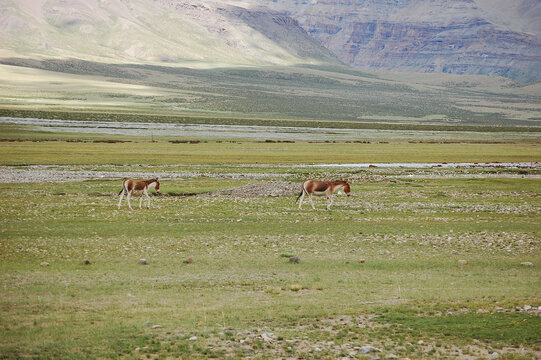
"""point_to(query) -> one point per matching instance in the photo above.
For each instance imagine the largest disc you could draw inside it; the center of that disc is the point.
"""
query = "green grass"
(411, 235)
(25, 147)
(515, 329)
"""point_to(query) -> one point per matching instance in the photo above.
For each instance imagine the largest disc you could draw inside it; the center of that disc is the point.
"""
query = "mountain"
(494, 37)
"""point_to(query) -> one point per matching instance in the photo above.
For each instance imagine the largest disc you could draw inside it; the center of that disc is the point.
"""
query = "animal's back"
(312, 186)
(320, 186)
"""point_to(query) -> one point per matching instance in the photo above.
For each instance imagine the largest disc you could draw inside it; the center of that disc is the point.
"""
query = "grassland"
(25, 153)
(239, 285)
(21, 146)
(417, 267)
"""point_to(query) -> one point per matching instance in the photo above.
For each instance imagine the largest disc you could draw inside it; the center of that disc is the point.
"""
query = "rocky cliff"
(451, 36)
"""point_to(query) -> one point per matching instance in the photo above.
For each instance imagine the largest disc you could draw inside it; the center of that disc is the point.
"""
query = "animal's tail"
(298, 197)
(121, 190)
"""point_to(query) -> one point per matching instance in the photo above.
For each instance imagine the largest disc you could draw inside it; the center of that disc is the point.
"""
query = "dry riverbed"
(57, 173)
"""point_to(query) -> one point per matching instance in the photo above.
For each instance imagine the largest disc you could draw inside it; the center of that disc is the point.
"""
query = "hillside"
(187, 33)
(287, 96)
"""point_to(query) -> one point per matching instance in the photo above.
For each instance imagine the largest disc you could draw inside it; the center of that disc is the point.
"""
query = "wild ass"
(131, 186)
(320, 188)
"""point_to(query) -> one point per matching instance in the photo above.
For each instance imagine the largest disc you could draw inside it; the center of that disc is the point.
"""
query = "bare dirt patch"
(262, 188)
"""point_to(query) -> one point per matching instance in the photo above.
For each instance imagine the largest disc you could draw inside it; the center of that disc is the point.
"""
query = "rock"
(266, 337)
(420, 342)
(156, 326)
(318, 349)
(463, 262)
(495, 354)
(375, 357)
(481, 311)
(193, 338)
(526, 263)
(368, 349)
(527, 307)
(294, 260)
(391, 356)
(137, 348)
(44, 263)
(188, 261)
(143, 262)
(86, 262)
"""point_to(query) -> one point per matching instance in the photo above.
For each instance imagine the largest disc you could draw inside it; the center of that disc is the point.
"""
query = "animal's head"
(346, 188)
(157, 186)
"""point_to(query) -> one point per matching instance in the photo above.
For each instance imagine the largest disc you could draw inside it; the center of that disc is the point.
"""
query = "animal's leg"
(128, 197)
(330, 202)
(148, 199)
(140, 201)
(121, 196)
(311, 202)
(302, 198)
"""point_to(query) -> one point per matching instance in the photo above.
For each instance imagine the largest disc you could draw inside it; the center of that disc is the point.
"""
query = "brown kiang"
(138, 187)
(322, 188)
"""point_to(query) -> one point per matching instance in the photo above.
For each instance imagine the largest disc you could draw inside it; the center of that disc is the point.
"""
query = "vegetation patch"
(509, 328)
(111, 141)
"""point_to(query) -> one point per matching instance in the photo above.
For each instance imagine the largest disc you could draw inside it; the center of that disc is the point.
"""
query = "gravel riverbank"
(50, 173)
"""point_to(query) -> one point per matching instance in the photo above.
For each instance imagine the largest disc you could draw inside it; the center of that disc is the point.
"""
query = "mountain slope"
(185, 32)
